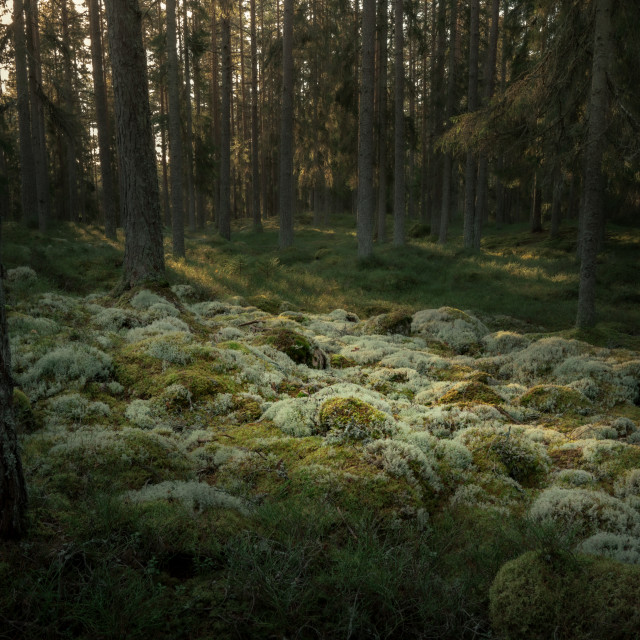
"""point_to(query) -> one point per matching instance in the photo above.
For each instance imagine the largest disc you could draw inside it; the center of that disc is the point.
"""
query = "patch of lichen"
(549, 398)
(202, 383)
(351, 419)
(471, 393)
(295, 345)
(246, 410)
(538, 597)
(27, 420)
(452, 373)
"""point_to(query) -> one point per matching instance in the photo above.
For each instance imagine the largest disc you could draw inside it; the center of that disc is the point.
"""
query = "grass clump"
(580, 598)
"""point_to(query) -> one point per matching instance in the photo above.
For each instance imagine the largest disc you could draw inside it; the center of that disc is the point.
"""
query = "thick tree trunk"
(108, 191)
(28, 188)
(556, 203)
(166, 203)
(38, 138)
(188, 143)
(536, 207)
(175, 134)
(139, 198)
(382, 121)
(483, 161)
(255, 141)
(399, 145)
(224, 211)
(13, 493)
(593, 181)
(447, 169)
(366, 202)
(286, 131)
(470, 174)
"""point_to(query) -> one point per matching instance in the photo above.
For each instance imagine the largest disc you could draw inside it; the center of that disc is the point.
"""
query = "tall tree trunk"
(366, 202)
(166, 204)
(536, 206)
(191, 193)
(556, 203)
(593, 180)
(108, 191)
(139, 197)
(471, 168)
(28, 188)
(399, 145)
(38, 138)
(483, 161)
(13, 492)
(255, 141)
(175, 134)
(447, 165)
(71, 170)
(286, 131)
(382, 120)
(215, 109)
(224, 211)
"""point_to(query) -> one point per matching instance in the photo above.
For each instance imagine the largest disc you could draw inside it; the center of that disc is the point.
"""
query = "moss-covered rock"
(459, 330)
(338, 361)
(550, 398)
(389, 323)
(26, 419)
(471, 392)
(352, 419)
(299, 348)
(584, 598)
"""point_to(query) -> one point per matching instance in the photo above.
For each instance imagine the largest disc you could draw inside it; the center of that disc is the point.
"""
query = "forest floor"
(300, 445)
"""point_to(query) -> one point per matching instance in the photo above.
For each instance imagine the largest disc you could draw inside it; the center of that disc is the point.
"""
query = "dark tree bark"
(175, 134)
(382, 120)
(224, 212)
(536, 207)
(188, 143)
(366, 201)
(286, 131)
(556, 203)
(470, 174)
(593, 185)
(447, 165)
(483, 160)
(38, 138)
(108, 191)
(399, 145)
(28, 188)
(255, 140)
(13, 493)
(139, 198)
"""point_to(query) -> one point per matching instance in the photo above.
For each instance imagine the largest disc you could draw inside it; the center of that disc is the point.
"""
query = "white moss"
(423, 363)
(368, 349)
(183, 291)
(588, 511)
(177, 393)
(157, 328)
(141, 413)
(598, 451)
(454, 454)
(209, 309)
(472, 495)
(221, 404)
(574, 478)
(196, 496)
(544, 435)
(21, 274)
(628, 484)
(114, 319)
(48, 303)
(405, 460)
(115, 388)
(171, 348)
(461, 331)
(145, 299)
(28, 326)
(620, 548)
(161, 310)
(229, 333)
(294, 416)
(502, 342)
(624, 426)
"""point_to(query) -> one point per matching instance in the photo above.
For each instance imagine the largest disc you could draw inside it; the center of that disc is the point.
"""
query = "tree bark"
(447, 169)
(189, 174)
(175, 134)
(139, 197)
(366, 201)
(28, 188)
(38, 138)
(593, 184)
(399, 145)
(224, 212)
(108, 191)
(255, 141)
(556, 203)
(471, 167)
(285, 238)
(536, 207)
(382, 121)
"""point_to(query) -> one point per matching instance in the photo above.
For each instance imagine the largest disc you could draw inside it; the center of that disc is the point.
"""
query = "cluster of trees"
(415, 109)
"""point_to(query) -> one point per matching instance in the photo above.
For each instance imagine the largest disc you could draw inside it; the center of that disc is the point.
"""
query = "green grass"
(531, 278)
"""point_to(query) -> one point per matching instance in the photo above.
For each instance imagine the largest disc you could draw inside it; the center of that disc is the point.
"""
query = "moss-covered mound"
(389, 323)
(550, 398)
(573, 599)
(352, 419)
(299, 348)
(471, 392)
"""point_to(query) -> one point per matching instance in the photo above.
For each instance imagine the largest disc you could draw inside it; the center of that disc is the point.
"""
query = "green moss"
(338, 361)
(199, 380)
(295, 345)
(471, 392)
(586, 598)
(247, 410)
(352, 419)
(452, 373)
(390, 323)
(549, 398)
(26, 419)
